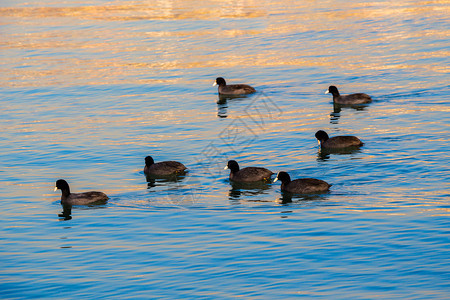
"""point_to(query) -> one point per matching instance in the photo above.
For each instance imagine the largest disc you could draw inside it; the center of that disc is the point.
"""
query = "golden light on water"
(151, 45)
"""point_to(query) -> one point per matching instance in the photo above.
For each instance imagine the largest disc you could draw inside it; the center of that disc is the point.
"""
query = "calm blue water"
(90, 88)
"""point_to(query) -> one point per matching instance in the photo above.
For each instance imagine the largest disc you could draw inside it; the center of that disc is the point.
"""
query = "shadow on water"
(335, 115)
(222, 103)
(325, 154)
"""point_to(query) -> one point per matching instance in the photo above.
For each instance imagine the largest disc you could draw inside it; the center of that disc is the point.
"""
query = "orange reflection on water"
(107, 47)
(153, 10)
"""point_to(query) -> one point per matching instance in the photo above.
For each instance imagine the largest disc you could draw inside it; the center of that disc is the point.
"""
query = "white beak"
(55, 189)
(319, 143)
(276, 179)
(327, 92)
(215, 83)
(226, 167)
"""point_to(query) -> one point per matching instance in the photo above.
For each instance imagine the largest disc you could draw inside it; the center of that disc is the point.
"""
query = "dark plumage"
(68, 198)
(248, 174)
(232, 89)
(163, 168)
(358, 98)
(342, 141)
(302, 185)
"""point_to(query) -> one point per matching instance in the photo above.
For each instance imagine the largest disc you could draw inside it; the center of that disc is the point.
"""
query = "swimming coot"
(163, 168)
(302, 185)
(68, 198)
(248, 174)
(358, 98)
(342, 141)
(232, 89)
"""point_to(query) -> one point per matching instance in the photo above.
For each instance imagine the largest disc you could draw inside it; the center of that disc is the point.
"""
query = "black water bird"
(68, 198)
(357, 98)
(248, 174)
(302, 185)
(232, 89)
(163, 168)
(341, 141)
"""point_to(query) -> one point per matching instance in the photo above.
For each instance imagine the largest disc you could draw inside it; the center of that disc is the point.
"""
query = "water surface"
(89, 88)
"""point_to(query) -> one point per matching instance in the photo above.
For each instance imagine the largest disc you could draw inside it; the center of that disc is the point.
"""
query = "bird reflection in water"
(335, 115)
(246, 189)
(325, 154)
(287, 197)
(222, 103)
(153, 181)
(66, 214)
